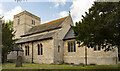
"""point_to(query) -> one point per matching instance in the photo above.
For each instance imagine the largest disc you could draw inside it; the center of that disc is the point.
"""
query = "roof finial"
(69, 13)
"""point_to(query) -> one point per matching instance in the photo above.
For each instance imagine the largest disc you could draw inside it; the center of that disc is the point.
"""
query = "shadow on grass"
(42, 67)
(60, 70)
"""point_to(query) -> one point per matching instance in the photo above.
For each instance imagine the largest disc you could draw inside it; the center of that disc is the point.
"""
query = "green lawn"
(47, 66)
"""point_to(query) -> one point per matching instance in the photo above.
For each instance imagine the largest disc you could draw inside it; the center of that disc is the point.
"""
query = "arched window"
(99, 48)
(27, 50)
(95, 48)
(33, 22)
(59, 48)
(40, 49)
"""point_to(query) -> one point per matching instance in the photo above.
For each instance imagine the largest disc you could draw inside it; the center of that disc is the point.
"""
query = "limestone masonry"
(54, 42)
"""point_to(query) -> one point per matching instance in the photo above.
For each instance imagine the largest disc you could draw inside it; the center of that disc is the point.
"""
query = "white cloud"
(10, 14)
(58, 3)
(79, 7)
(1, 9)
(63, 2)
(63, 14)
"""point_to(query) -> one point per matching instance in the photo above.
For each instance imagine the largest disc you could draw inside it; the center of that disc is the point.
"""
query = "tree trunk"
(4, 58)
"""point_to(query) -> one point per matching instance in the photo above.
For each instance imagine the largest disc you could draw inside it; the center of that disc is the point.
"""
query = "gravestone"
(19, 61)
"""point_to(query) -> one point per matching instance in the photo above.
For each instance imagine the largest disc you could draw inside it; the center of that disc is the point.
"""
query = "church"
(54, 43)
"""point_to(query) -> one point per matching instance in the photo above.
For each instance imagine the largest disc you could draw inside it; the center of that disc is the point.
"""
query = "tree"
(7, 41)
(100, 26)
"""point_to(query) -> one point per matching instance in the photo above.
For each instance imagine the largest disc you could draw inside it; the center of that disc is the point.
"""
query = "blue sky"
(47, 11)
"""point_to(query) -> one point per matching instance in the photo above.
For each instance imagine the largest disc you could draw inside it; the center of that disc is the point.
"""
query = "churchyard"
(49, 66)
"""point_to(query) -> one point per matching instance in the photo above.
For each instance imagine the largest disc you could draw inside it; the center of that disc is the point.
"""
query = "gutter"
(33, 40)
(40, 31)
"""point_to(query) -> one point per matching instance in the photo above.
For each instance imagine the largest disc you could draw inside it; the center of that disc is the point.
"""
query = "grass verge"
(47, 66)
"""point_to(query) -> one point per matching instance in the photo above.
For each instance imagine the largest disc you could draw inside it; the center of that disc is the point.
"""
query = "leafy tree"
(100, 26)
(7, 41)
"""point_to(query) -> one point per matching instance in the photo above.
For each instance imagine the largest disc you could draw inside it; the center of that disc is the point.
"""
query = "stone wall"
(19, 28)
(28, 22)
(24, 25)
(28, 58)
(58, 55)
(48, 52)
(58, 39)
(93, 57)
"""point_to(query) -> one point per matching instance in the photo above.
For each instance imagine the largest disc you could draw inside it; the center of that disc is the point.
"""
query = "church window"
(71, 46)
(74, 47)
(68, 47)
(27, 50)
(40, 49)
(58, 48)
(99, 48)
(33, 22)
(95, 48)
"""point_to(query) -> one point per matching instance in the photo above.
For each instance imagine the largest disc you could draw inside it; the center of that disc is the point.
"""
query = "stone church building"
(54, 42)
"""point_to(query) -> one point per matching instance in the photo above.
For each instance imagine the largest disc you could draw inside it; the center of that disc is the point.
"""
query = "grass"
(47, 66)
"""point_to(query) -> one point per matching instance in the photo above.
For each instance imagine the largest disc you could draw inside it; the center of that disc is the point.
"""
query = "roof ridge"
(55, 24)
(52, 21)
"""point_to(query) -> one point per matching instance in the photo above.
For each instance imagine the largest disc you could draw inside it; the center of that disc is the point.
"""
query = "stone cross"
(69, 13)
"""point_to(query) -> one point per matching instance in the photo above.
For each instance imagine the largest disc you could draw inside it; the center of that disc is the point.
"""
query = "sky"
(47, 11)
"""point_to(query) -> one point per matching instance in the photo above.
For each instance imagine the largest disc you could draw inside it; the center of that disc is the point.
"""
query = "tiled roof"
(46, 26)
(69, 35)
(17, 48)
(37, 37)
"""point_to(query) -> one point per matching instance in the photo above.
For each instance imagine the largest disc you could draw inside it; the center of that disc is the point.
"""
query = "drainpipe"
(86, 55)
(32, 52)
